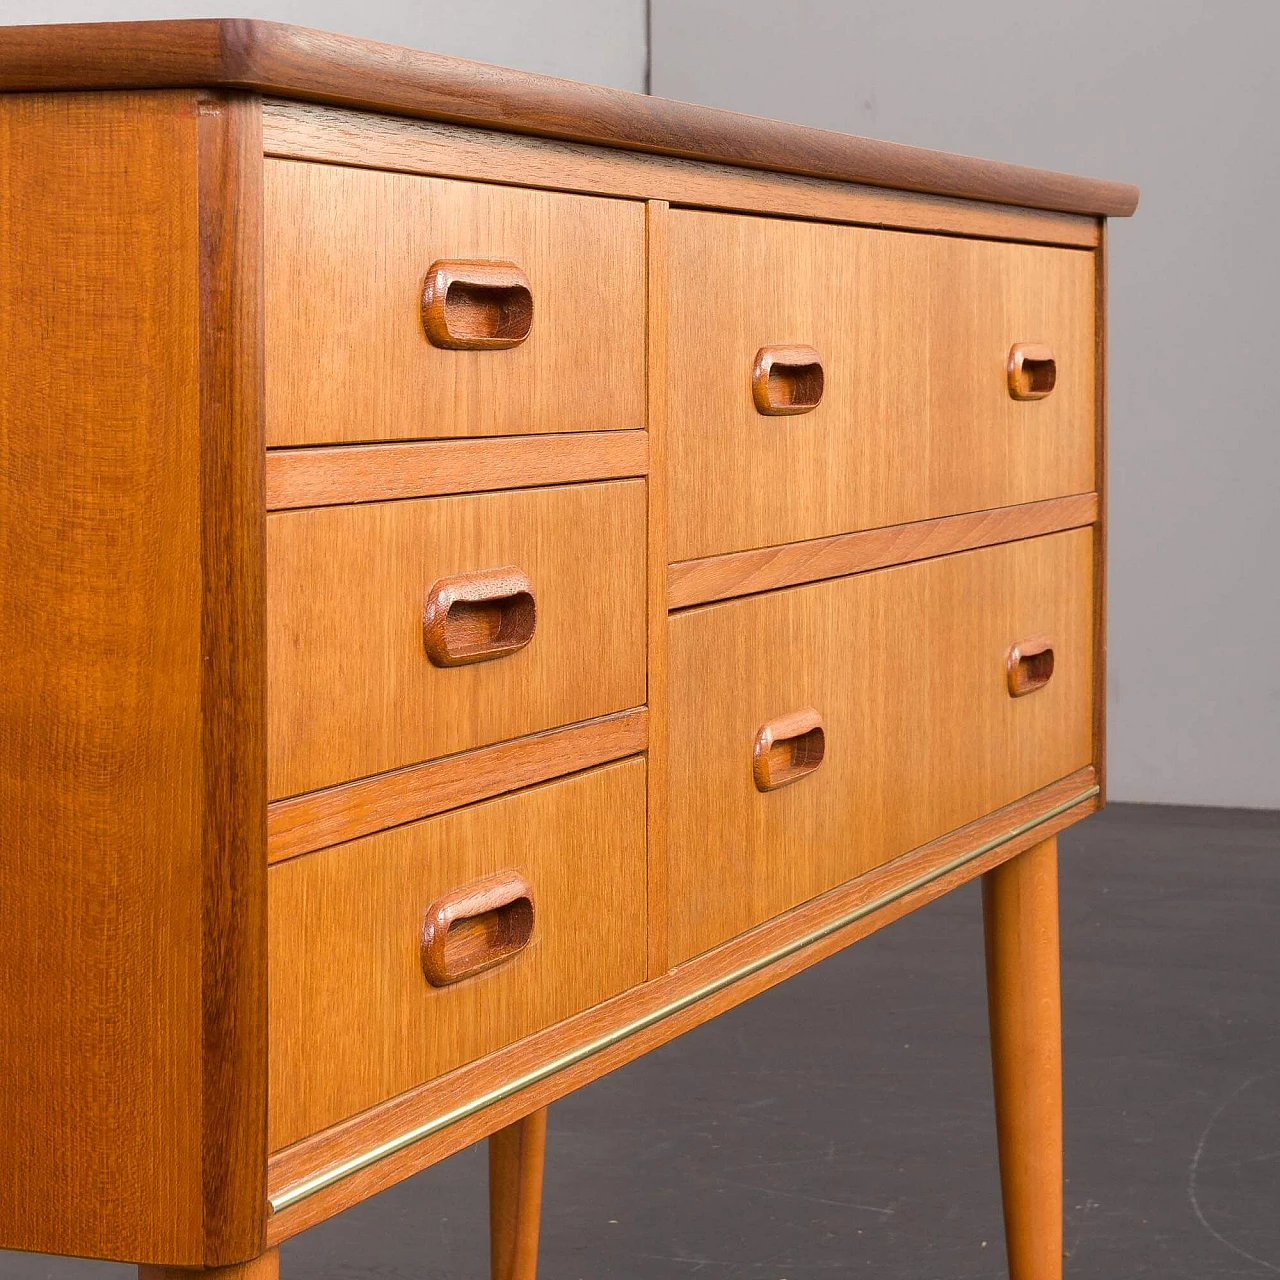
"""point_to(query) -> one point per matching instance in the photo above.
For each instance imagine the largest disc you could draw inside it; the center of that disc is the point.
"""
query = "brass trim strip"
(308, 1187)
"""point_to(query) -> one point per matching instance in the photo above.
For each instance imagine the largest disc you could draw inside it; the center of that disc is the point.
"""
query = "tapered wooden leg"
(1020, 914)
(264, 1267)
(516, 1156)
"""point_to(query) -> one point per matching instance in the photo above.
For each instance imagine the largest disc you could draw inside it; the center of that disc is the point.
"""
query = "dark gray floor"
(842, 1125)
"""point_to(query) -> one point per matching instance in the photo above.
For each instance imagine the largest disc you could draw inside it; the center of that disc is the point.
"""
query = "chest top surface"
(315, 66)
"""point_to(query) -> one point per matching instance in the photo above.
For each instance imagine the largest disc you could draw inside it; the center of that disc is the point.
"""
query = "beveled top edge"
(315, 66)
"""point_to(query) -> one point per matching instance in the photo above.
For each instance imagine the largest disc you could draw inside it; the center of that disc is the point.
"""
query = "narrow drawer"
(915, 419)
(923, 725)
(543, 292)
(369, 606)
(552, 878)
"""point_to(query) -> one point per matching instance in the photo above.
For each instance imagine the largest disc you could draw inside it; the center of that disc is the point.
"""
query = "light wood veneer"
(906, 668)
(347, 358)
(915, 421)
(351, 691)
(443, 1113)
(353, 1023)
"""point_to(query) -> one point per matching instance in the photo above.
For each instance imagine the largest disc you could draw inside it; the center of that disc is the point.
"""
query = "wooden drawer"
(351, 689)
(348, 253)
(353, 1018)
(907, 668)
(915, 420)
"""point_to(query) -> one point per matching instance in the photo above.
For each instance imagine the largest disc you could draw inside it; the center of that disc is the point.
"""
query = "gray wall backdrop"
(1181, 98)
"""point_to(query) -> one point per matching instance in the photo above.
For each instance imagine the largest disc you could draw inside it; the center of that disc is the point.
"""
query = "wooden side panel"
(100, 678)
(915, 421)
(347, 251)
(353, 1020)
(234, 666)
(907, 669)
(352, 691)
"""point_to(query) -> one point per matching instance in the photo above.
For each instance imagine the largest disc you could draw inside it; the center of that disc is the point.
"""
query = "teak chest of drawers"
(497, 572)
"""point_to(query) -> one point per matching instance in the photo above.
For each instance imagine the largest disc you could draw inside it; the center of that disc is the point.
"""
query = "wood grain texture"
(906, 668)
(476, 306)
(347, 358)
(302, 131)
(476, 926)
(351, 691)
(234, 666)
(476, 1080)
(355, 809)
(266, 1266)
(353, 1022)
(1029, 665)
(915, 421)
(1033, 371)
(321, 477)
(479, 616)
(657, 215)
(1020, 917)
(1100, 534)
(293, 62)
(132, 906)
(787, 748)
(100, 726)
(741, 573)
(517, 1154)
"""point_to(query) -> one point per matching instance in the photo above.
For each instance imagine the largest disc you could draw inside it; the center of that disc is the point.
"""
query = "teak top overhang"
(284, 61)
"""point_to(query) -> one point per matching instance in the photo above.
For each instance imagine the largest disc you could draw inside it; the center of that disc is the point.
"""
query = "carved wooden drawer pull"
(475, 927)
(478, 616)
(476, 306)
(786, 379)
(1032, 371)
(788, 748)
(1030, 664)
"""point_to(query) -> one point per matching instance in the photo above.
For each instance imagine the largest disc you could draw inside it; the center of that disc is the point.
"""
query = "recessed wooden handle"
(1032, 371)
(476, 306)
(475, 927)
(1030, 664)
(786, 379)
(788, 748)
(478, 616)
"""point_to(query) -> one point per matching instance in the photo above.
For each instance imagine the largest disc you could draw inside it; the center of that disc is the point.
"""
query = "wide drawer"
(354, 1018)
(349, 353)
(915, 418)
(925, 727)
(360, 600)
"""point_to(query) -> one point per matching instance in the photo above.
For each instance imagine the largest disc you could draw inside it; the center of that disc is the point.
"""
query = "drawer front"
(355, 683)
(915, 420)
(348, 357)
(353, 1017)
(907, 669)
